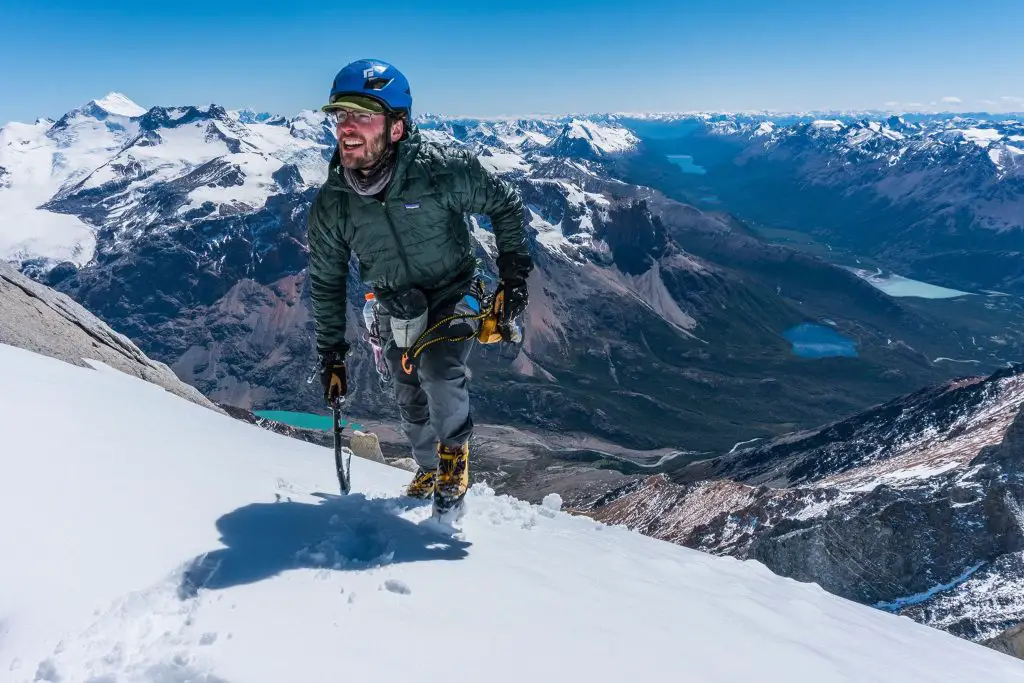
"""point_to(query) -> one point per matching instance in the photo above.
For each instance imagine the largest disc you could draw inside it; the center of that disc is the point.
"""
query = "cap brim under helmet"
(355, 103)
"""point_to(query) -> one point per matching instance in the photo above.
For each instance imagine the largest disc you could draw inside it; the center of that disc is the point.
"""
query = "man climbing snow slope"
(400, 203)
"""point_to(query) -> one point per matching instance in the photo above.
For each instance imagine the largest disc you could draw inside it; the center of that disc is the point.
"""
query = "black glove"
(514, 266)
(332, 376)
(516, 297)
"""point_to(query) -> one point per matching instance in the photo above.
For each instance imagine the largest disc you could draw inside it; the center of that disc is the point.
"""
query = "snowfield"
(606, 139)
(146, 538)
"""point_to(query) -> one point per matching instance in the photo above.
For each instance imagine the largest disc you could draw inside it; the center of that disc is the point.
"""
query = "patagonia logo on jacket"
(413, 205)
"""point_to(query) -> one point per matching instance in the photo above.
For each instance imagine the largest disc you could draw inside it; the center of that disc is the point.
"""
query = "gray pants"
(434, 399)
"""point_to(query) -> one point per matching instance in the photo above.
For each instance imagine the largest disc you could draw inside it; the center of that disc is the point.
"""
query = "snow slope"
(149, 539)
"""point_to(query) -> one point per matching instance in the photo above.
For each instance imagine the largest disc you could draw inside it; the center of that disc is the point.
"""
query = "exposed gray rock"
(36, 318)
(405, 464)
(366, 445)
(1010, 641)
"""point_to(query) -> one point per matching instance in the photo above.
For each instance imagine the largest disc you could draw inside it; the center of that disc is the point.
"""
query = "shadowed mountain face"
(651, 325)
(914, 506)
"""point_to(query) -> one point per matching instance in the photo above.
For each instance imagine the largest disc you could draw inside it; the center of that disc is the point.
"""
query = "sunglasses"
(340, 116)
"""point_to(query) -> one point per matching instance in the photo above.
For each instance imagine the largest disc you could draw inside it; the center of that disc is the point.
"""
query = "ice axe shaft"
(344, 470)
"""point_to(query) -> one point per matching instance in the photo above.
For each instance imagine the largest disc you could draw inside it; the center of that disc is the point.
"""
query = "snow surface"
(548, 234)
(983, 137)
(1004, 155)
(899, 286)
(504, 162)
(895, 477)
(258, 170)
(120, 105)
(290, 145)
(484, 237)
(607, 139)
(156, 540)
(859, 136)
(521, 137)
(39, 161)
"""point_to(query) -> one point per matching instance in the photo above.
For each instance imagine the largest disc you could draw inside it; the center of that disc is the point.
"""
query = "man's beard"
(367, 156)
(370, 166)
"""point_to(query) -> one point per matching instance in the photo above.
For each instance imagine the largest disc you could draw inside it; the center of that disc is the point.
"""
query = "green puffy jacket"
(418, 236)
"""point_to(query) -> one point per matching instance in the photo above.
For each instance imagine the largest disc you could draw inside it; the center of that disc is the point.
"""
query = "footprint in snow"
(396, 586)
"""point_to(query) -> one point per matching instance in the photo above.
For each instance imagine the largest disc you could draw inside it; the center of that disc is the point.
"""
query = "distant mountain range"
(939, 198)
(652, 324)
(667, 326)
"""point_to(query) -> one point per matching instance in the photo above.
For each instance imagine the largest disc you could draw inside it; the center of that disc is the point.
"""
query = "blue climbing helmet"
(371, 85)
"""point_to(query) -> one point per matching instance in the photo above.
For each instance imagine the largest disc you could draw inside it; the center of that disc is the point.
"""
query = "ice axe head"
(490, 326)
(492, 329)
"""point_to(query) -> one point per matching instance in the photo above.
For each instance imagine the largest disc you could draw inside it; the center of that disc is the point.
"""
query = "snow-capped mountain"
(187, 164)
(198, 221)
(914, 506)
(903, 146)
(217, 552)
(105, 172)
(586, 139)
(37, 160)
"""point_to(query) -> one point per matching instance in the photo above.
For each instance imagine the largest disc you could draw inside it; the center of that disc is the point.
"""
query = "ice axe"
(493, 329)
(344, 468)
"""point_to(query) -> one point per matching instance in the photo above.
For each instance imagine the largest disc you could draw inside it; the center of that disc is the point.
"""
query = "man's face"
(362, 138)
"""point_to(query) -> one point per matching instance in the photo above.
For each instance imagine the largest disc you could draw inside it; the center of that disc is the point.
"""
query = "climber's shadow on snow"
(338, 534)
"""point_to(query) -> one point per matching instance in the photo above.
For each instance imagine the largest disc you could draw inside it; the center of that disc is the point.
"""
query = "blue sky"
(520, 56)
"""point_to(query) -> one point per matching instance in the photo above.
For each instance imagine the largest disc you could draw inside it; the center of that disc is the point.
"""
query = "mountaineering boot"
(422, 484)
(452, 477)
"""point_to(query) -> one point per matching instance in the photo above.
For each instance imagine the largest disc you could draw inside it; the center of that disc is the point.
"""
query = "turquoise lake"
(685, 162)
(818, 341)
(304, 420)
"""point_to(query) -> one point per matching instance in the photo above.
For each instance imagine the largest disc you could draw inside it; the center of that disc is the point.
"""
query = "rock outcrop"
(36, 318)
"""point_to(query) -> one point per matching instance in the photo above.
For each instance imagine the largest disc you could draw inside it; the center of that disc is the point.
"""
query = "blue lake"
(818, 341)
(304, 420)
(685, 162)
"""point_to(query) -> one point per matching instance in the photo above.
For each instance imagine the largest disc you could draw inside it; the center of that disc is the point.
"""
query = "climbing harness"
(491, 329)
